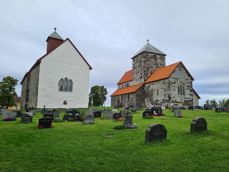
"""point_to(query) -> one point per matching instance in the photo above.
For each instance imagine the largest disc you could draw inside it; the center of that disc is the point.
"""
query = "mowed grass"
(71, 146)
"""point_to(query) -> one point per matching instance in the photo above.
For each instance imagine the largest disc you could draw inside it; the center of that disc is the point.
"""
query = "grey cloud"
(109, 33)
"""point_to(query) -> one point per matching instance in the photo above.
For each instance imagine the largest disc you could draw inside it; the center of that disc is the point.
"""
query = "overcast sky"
(109, 32)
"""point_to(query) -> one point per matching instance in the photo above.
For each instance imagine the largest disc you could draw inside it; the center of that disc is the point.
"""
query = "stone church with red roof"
(151, 83)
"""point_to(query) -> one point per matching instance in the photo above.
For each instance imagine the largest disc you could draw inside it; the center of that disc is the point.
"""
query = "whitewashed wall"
(63, 62)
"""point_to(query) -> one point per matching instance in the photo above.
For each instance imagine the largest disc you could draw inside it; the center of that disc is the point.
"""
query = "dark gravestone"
(48, 114)
(25, 118)
(117, 116)
(218, 110)
(198, 124)
(45, 123)
(72, 115)
(97, 114)
(157, 111)
(147, 114)
(155, 132)
(89, 119)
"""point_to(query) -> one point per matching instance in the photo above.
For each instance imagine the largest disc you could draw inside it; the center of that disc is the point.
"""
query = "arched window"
(70, 85)
(60, 85)
(65, 84)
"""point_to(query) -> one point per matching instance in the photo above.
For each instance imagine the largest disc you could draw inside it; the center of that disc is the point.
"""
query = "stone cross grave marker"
(128, 120)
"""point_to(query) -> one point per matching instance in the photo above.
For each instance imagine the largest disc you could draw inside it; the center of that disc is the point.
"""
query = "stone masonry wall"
(165, 91)
(144, 64)
(33, 87)
(23, 93)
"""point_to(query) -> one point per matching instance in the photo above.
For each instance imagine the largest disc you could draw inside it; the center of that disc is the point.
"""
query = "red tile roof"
(165, 72)
(158, 74)
(128, 76)
(127, 90)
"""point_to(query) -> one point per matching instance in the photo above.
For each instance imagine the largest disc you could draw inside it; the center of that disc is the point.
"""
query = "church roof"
(39, 60)
(55, 35)
(128, 76)
(127, 90)
(162, 73)
(158, 74)
(149, 49)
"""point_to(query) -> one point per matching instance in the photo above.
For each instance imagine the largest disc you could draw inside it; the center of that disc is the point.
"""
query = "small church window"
(60, 85)
(65, 85)
(70, 84)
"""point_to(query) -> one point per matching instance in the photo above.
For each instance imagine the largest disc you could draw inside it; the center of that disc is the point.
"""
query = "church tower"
(145, 61)
(53, 41)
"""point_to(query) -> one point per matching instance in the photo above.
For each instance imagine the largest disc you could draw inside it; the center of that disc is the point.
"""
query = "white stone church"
(58, 79)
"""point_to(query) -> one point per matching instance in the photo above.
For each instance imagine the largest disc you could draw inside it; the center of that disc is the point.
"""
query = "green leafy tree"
(97, 95)
(213, 103)
(7, 91)
(226, 103)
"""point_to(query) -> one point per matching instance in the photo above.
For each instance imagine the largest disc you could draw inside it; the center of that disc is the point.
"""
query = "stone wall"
(144, 64)
(29, 92)
(23, 93)
(165, 92)
(33, 89)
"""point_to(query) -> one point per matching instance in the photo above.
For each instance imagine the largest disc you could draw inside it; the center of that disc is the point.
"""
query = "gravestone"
(45, 123)
(48, 114)
(128, 120)
(25, 118)
(198, 124)
(147, 114)
(29, 113)
(155, 132)
(72, 115)
(97, 114)
(107, 114)
(157, 111)
(8, 115)
(56, 116)
(177, 112)
(218, 110)
(117, 116)
(89, 119)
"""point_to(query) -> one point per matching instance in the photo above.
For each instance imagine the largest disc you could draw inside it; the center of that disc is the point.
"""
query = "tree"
(213, 103)
(7, 91)
(97, 95)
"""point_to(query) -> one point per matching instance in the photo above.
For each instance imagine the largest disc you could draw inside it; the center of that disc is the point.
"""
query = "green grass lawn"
(71, 146)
